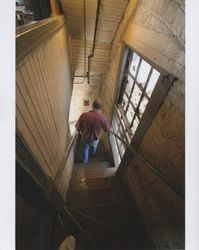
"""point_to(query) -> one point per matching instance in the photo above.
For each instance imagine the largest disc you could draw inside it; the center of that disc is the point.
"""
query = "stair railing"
(165, 178)
(95, 221)
(92, 244)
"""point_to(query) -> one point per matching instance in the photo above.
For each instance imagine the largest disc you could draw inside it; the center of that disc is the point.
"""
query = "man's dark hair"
(97, 104)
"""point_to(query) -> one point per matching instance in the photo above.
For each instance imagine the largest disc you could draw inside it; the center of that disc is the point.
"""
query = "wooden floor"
(98, 203)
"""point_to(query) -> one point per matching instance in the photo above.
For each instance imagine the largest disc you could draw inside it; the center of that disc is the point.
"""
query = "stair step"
(113, 227)
(114, 215)
(93, 165)
(93, 173)
(95, 196)
(94, 182)
(104, 237)
(91, 159)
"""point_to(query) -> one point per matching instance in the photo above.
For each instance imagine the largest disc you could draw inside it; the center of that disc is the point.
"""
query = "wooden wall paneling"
(40, 92)
(69, 72)
(45, 60)
(50, 96)
(44, 87)
(61, 70)
(27, 133)
(30, 96)
(53, 67)
(28, 121)
(61, 74)
(30, 36)
(46, 105)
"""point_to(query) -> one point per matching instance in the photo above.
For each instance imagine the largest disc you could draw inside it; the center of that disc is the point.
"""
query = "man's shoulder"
(103, 116)
(85, 114)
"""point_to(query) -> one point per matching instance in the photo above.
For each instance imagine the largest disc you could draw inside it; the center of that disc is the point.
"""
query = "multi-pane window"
(138, 81)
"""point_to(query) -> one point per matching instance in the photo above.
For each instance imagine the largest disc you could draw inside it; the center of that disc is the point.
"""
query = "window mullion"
(141, 97)
(126, 122)
(140, 60)
(124, 128)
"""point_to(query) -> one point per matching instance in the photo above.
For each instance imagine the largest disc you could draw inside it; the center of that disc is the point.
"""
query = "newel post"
(55, 7)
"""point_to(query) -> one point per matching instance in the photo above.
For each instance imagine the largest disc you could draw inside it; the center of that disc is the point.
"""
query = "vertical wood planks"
(43, 92)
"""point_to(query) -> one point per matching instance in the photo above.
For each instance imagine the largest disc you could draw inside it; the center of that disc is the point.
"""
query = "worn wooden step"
(95, 196)
(115, 215)
(94, 182)
(97, 158)
(113, 226)
(93, 165)
(93, 173)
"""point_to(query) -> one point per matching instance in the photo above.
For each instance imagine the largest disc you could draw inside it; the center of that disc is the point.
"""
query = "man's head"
(97, 104)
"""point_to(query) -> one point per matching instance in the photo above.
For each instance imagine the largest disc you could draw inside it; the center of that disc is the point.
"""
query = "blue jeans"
(87, 145)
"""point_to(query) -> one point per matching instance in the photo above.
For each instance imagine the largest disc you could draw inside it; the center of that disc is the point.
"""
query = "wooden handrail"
(165, 178)
(62, 167)
(80, 228)
(99, 223)
(60, 171)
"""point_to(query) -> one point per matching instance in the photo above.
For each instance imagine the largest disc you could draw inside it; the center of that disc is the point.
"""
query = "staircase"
(98, 204)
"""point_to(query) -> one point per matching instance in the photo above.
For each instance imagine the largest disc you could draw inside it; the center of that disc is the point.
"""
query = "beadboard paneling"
(43, 92)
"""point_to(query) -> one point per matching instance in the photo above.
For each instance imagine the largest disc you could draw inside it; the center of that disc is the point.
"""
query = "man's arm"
(106, 126)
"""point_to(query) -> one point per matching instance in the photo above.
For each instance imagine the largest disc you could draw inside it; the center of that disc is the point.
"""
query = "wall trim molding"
(28, 37)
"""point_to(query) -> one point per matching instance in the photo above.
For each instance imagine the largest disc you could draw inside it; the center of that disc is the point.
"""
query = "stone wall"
(156, 30)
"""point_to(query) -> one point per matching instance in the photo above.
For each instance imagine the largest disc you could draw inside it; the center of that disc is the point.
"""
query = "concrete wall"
(156, 29)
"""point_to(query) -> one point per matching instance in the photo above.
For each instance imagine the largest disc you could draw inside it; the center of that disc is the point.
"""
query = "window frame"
(155, 101)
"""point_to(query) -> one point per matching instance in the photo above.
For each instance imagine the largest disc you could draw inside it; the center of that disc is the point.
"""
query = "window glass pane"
(117, 151)
(143, 73)
(114, 124)
(152, 82)
(130, 113)
(129, 85)
(122, 150)
(118, 142)
(142, 106)
(135, 124)
(134, 64)
(136, 95)
(124, 102)
(127, 121)
(120, 130)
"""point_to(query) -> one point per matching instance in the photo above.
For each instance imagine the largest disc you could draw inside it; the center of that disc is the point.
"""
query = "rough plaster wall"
(156, 29)
(164, 219)
(108, 89)
(161, 209)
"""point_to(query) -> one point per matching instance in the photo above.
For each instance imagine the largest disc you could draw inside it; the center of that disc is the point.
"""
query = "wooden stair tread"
(94, 182)
(94, 173)
(93, 165)
(95, 196)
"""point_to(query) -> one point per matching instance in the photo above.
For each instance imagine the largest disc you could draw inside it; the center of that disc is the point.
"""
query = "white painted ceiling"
(111, 13)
